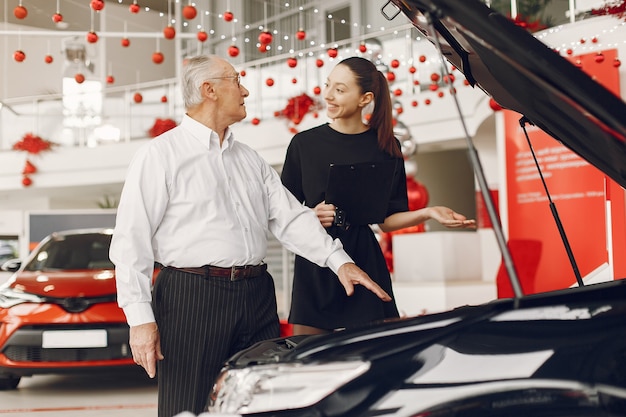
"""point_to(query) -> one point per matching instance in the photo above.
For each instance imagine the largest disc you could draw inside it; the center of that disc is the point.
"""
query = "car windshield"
(78, 251)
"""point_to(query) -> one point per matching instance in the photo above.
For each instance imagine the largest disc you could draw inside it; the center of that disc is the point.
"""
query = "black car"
(557, 353)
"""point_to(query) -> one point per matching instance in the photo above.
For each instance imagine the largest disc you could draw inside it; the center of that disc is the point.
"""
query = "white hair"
(195, 72)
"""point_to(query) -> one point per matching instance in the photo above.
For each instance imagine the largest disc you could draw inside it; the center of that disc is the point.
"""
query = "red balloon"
(228, 16)
(20, 12)
(169, 32)
(189, 12)
(19, 56)
(125, 42)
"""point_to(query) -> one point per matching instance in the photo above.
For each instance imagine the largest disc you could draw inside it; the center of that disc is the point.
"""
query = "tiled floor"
(116, 394)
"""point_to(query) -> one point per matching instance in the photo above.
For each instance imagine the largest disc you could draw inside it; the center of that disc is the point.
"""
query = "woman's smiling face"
(343, 96)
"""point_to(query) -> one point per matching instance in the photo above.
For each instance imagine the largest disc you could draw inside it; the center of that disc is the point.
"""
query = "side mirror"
(11, 265)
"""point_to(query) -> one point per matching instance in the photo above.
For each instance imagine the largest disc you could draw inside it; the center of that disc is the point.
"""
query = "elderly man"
(200, 203)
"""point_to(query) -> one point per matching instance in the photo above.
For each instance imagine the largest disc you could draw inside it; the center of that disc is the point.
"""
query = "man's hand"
(145, 344)
(351, 275)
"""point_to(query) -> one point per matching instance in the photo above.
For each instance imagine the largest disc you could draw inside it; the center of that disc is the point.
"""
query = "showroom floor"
(119, 394)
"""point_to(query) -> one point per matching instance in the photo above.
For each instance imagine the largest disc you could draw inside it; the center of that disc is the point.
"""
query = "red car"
(59, 312)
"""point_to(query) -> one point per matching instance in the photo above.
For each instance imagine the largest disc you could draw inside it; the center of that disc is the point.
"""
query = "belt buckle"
(233, 270)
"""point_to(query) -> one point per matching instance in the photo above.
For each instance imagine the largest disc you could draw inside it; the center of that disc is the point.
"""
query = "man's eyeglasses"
(236, 77)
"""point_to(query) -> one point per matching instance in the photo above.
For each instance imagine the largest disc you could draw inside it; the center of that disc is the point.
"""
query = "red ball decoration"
(92, 37)
(57, 17)
(29, 168)
(412, 69)
(434, 77)
(422, 58)
(397, 92)
(292, 62)
(137, 98)
(362, 48)
(391, 76)
(569, 51)
(202, 36)
(19, 56)
(125, 42)
(617, 63)
(110, 79)
(414, 103)
(269, 82)
(20, 12)
(134, 8)
(189, 12)
(242, 73)
(228, 16)
(263, 48)
(395, 63)
(301, 34)
(48, 59)
(427, 102)
(256, 121)
(416, 82)
(440, 94)
(433, 87)
(163, 99)
(26, 181)
(319, 63)
(594, 40)
(265, 38)
(157, 57)
(599, 57)
(79, 78)
(294, 81)
(494, 105)
(169, 32)
(97, 5)
(332, 52)
(317, 90)
(233, 51)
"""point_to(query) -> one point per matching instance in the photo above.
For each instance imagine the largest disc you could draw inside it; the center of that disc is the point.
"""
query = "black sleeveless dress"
(318, 298)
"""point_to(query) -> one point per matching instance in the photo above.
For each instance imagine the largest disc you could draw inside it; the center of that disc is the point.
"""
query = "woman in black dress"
(319, 303)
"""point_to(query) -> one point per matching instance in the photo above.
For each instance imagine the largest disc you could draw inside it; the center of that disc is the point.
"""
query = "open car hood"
(524, 75)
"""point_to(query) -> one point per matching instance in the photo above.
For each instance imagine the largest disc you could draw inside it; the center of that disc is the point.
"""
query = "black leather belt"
(234, 273)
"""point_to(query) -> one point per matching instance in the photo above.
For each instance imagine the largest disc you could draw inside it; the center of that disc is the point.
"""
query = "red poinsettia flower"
(33, 144)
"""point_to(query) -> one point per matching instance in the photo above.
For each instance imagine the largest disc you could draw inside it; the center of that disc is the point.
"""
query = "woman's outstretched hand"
(450, 218)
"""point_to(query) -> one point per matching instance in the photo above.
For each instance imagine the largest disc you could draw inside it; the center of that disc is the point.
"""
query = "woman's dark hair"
(370, 79)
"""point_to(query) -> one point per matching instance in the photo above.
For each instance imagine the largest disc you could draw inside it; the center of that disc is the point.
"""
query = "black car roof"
(523, 74)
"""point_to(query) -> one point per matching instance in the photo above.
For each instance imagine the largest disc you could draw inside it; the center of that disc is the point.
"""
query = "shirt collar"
(204, 134)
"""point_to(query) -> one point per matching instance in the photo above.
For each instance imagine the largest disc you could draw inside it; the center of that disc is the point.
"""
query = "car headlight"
(9, 298)
(270, 387)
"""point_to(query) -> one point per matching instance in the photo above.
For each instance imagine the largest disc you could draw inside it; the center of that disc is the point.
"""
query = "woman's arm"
(443, 215)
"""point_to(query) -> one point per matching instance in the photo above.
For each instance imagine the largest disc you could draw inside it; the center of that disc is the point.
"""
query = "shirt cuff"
(338, 258)
(139, 313)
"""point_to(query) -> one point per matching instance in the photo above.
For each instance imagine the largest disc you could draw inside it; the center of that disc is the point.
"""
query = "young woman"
(319, 304)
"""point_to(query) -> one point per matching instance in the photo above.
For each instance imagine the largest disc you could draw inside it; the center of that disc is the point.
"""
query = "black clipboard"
(361, 191)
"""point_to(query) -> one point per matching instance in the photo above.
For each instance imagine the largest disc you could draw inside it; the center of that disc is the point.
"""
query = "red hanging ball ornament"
(416, 82)
(412, 69)
(599, 57)
(242, 73)
(110, 79)
(256, 121)
(137, 98)
(292, 62)
(19, 56)
(319, 63)
(494, 105)
(294, 81)
(79, 78)
(569, 51)
(29, 168)
(202, 36)
(48, 59)
(265, 38)
(157, 57)
(189, 12)
(317, 90)
(169, 32)
(427, 102)
(332, 52)
(397, 92)
(440, 94)
(233, 51)
(228, 16)
(414, 103)
(617, 63)
(26, 181)
(92, 37)
(422, 58)
(163, 99)
(301, 34)
(465, 82)
(134, 8)
(391, 76)
(433, 87)
(362, 48)
(57, 17)
(395, 63)
(20, 12)
(125, 42)
(594, 40)
(97, 5)
(434, 77)
(263, 48)
(269, 82)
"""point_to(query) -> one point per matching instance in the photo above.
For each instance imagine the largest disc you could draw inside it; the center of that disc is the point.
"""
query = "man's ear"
(366, 99)
(208, 90)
